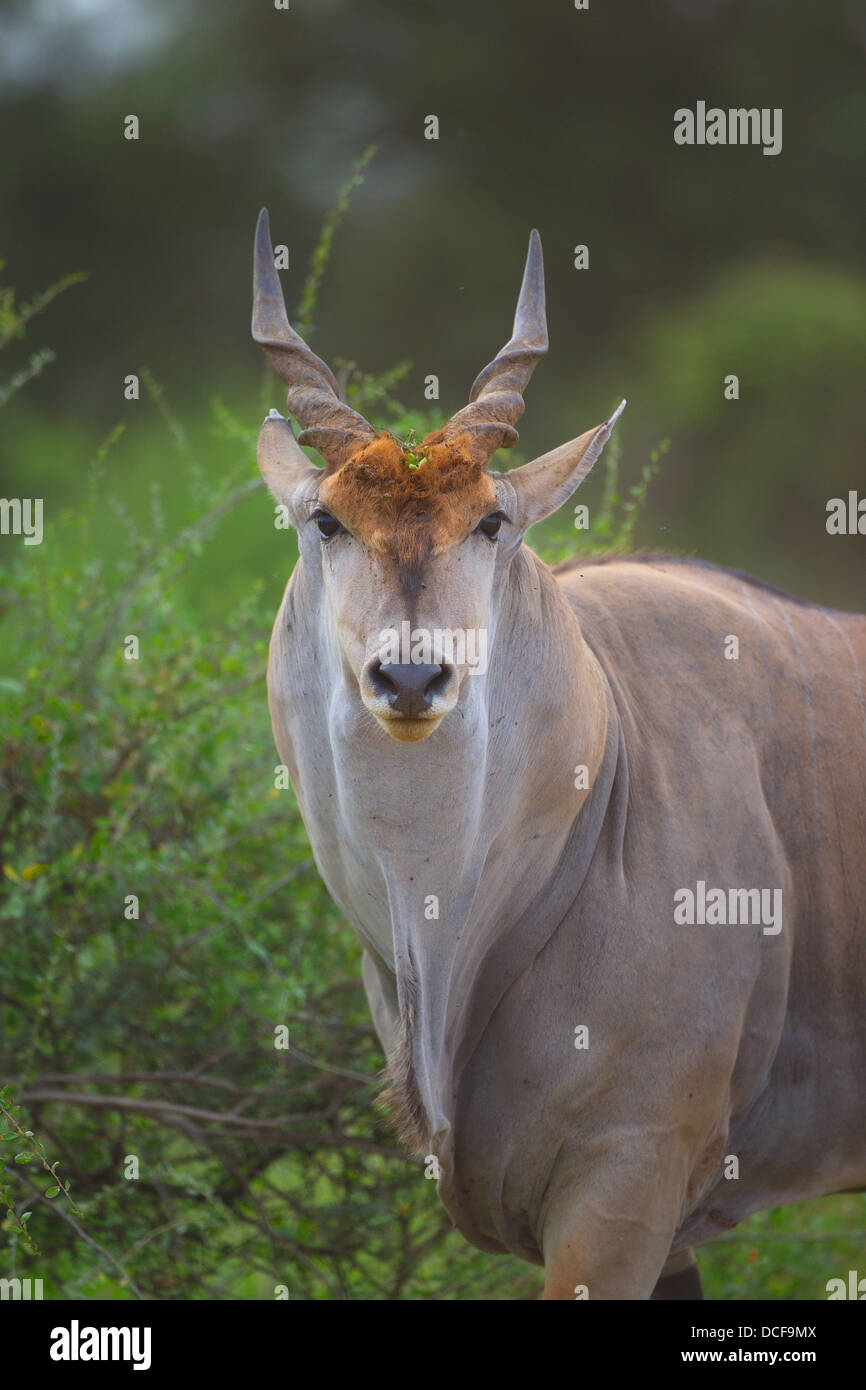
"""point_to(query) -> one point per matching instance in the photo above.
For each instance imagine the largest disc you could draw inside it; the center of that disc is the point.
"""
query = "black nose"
(410, 688)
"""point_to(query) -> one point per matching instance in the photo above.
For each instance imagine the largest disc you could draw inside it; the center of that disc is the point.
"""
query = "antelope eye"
(489, 527)
(328, 525)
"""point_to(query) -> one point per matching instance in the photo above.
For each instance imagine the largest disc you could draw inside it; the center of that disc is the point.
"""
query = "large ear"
(283, 463)
(543, 485)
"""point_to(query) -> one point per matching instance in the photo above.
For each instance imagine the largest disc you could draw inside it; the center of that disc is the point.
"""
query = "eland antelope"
(611, 1060)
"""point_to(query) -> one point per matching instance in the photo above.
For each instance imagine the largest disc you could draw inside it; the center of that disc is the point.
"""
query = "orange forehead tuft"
(410, 512)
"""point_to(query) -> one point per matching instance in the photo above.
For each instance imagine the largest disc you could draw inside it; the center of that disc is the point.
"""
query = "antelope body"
(510, 843)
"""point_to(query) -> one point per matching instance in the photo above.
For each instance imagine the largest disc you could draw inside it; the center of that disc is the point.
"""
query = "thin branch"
(140, 1106)
(64, 1215)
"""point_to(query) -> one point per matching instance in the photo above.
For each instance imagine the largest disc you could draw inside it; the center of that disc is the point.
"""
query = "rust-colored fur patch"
(410, 513)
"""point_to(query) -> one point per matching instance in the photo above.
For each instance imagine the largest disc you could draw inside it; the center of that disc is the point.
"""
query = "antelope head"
(410, 548)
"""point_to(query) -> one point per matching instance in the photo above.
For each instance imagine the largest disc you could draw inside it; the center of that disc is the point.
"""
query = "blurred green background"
(157, 778)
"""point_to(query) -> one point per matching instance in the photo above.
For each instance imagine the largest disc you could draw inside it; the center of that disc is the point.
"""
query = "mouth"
(408, 730)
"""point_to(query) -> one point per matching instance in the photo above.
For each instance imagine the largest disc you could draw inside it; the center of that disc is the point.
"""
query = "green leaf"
(52, 1191)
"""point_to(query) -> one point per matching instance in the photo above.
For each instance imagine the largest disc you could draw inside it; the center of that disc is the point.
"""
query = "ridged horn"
(327, 423)
(496, 398)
